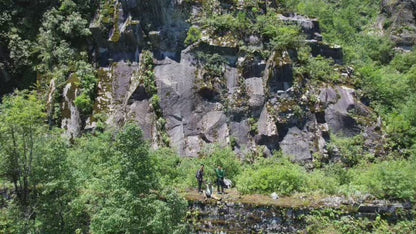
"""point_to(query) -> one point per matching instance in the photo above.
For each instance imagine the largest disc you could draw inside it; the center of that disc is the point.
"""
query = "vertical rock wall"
(253, 103)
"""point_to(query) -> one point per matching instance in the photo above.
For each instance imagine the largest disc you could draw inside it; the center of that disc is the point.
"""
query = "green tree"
(120, 184)
(20, 119)
(33, 159)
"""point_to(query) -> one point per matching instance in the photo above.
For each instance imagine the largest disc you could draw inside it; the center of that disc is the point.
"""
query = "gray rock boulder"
(240, 132)
(309, 26)
(119, 97)
(320, 48)
(141, 113)
(296, 144)
(175, 83)
(267, 132)
(253, 67)
(254, 88)
(213, 126)
(160, 23)
(340, 103)
(231, 75)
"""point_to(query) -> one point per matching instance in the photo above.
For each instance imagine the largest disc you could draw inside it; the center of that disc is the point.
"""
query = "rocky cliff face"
(398, 19)
(255, 104)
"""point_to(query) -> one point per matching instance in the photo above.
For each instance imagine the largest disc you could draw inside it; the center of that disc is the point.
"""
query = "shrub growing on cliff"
(194, 35)
(221, 24)
(320, 68)
(213, 65)
(84, 103)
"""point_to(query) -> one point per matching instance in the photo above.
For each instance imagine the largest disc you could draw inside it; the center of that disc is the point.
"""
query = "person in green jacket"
(220, 179)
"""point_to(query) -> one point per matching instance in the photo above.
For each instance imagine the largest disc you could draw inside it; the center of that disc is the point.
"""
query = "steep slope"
(224, 88)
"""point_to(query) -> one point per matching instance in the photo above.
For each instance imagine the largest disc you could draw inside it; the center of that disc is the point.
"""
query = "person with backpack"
(200, 177)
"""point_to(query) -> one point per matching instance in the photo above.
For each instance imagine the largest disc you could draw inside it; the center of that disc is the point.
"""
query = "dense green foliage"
(103, 183)
(349, 23)
(269, 176)
(33, 161)
(181, 171)
(388, 179)
(385, 180)
(38, 35)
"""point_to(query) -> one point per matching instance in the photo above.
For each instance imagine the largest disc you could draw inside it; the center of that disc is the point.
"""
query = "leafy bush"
(84, 103)
(282, 37)
(350, 149)
(339, 172)
(167, 164)
(221, 24)
(273, 175)
(146, 73)
(319, 181)
(320, 68)
(347, 23)
(384, 86)
(194, 35)
(388, 179)
(213, 65)
(403, 62)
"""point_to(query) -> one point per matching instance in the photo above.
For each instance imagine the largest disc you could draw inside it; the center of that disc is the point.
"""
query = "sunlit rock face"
(210, 92)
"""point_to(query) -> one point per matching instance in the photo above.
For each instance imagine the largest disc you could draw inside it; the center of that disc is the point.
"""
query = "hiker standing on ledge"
(200, 177)
(220, 179)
